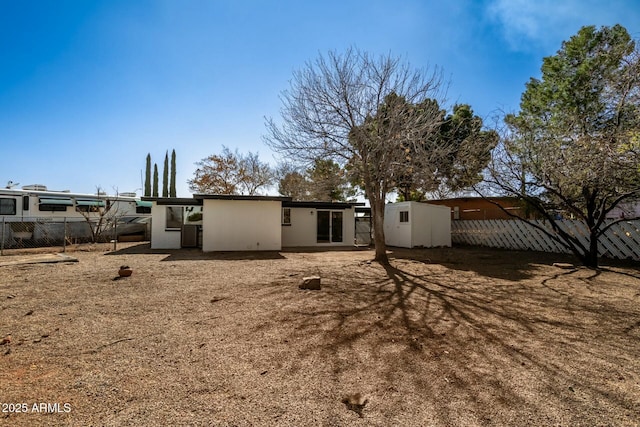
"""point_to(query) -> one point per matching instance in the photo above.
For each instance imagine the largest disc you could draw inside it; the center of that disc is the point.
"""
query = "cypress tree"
(155, 180)
(165, 176)
(172, 182)
(147, 177)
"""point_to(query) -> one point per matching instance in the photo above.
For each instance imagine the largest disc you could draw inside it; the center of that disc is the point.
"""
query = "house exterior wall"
(303, 228)
(241, 225)
(478, 208)
(161, 237)
(625, 210)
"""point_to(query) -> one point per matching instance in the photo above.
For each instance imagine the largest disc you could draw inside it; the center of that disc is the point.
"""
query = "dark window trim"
(282, 220)
(54, 204)
(10, 211)
(43, 207)
(181, 219)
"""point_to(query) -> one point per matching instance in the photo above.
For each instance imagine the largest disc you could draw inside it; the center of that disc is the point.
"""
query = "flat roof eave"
(320, 205)
(173, 201)
(241, 197)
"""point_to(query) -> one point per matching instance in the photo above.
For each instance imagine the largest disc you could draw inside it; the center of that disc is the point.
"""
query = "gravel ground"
(442, 337)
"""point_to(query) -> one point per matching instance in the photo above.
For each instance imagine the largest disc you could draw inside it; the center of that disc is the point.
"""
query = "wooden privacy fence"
(621, 240)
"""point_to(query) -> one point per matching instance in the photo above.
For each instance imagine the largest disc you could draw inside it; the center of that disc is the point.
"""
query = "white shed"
(415, 224)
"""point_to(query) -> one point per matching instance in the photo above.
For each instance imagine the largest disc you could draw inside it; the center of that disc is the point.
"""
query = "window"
(54, 205)
(7, 206)
(89, 205)
(143, 207)
(174, 217)
(25, 203)
(404, 216)
(286, 216)
(193, 215)
(143, 210)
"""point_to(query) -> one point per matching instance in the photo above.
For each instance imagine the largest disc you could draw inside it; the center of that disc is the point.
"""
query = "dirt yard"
(447, 337)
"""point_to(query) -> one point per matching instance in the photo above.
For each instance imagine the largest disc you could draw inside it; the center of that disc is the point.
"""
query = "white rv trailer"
(37, 203)
(32, 212)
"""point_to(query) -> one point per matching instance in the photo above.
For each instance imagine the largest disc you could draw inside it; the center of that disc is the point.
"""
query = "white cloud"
(544, 24)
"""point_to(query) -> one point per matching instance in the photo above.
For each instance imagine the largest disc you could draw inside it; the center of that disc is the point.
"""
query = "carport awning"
(59, 202)
(92, 203)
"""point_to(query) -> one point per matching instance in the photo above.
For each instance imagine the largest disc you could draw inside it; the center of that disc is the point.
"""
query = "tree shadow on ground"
(141, 248)
(456, 343)
(500, 264)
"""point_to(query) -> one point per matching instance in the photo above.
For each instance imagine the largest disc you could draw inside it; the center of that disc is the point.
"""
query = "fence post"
(64, 237)
(2, 238)
(115, 233)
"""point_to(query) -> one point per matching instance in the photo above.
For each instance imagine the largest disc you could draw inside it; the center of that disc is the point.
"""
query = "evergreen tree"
(147, 177)
(165, 176)
(155, 180)
(327, 181)
(573, 147)
(172, 182)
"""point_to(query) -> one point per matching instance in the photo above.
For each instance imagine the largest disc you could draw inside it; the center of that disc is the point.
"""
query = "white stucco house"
(416, 224)
(318, 224)
(249, 223)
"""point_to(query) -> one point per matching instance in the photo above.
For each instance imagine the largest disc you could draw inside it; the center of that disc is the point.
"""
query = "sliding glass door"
(329, 227)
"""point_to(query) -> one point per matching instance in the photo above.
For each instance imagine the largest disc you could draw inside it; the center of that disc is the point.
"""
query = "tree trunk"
(377, 210)
(591, 259)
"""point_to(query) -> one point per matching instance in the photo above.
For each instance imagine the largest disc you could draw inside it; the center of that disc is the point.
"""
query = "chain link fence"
(56, 233)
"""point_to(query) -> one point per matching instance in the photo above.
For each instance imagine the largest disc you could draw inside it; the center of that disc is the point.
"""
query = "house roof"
(473, 198)
(173, 201)
(240, 197)
(319, 205)
(286, 201)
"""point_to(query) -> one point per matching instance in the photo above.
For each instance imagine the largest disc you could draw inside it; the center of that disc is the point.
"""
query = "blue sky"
(88, 88)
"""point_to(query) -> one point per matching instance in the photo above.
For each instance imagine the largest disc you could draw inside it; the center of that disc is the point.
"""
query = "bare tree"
(231, 173)
(217, 174)
(100, 214)
(254, 174)
(333, 110)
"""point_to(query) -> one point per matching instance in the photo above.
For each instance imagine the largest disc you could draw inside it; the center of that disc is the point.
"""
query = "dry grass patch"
(441, 337)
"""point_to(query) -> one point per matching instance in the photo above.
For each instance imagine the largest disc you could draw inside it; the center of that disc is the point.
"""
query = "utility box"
(416, 224)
